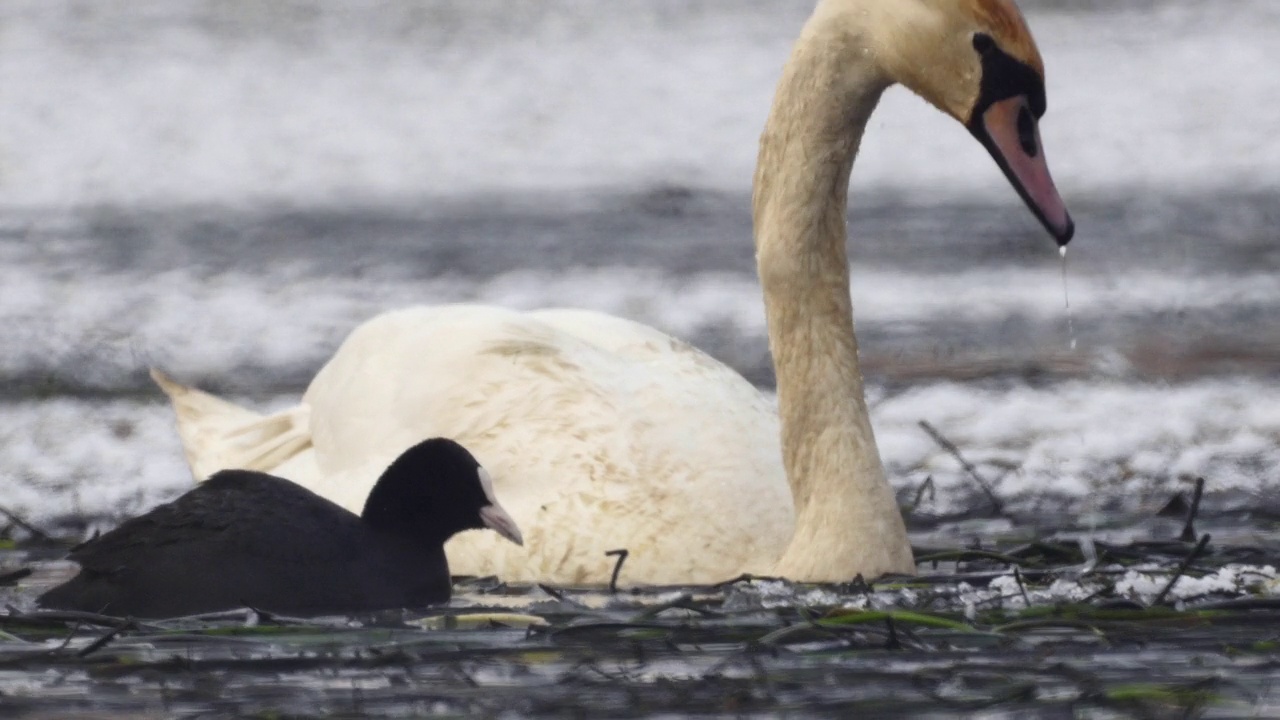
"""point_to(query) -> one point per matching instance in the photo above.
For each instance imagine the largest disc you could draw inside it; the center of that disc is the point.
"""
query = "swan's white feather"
(599, 433)
(217, 434)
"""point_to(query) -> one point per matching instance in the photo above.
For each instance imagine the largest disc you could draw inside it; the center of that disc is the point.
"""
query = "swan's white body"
(616, 420)
(603, 434)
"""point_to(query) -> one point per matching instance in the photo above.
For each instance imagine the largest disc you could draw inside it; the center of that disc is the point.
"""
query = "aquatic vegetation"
(1020, 627)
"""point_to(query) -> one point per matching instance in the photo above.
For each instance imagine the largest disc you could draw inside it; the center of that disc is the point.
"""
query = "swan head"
(976, 61)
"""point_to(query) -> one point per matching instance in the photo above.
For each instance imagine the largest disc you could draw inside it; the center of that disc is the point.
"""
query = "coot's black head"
(434, 490)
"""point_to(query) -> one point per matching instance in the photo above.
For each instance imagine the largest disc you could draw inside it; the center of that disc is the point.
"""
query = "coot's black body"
(245, 538)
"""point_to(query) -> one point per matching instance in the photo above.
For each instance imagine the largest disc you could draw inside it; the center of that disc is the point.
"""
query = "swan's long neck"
(847, 519)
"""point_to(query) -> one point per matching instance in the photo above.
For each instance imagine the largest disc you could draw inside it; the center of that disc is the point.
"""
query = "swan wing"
(599, 433)
(219, 435)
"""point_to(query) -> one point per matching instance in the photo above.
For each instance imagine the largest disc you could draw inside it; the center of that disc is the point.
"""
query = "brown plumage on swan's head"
(936, 47)
(1009, 28)
(976, 61)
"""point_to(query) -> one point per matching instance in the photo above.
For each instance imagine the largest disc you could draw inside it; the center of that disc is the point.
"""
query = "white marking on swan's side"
(601, 433)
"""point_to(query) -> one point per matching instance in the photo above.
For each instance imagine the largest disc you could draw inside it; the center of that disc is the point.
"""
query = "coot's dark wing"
(241, 513)
(240, 538)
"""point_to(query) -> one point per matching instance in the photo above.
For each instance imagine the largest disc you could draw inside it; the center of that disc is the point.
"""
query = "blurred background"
(225, 188)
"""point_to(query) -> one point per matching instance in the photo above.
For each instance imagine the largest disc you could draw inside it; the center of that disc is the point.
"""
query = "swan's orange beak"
(1010, 133)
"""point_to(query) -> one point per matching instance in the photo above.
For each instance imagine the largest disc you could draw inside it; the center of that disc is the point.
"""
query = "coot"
(245, 538)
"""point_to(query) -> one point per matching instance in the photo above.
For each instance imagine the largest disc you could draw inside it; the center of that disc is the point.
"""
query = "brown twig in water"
(621, 554)
(1243, 603)
(892, 643)
(744, 577)
(1189, 530)
(102, 641)
(1017, 575)
(15, 576)
(70, 636)
(551, 591)
(461, 673)
(950, 447)
(928, 486)
(1182, 568)
(39, 534)
(65, 616)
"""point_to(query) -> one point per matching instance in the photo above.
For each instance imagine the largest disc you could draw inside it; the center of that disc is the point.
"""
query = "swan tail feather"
(218, 435)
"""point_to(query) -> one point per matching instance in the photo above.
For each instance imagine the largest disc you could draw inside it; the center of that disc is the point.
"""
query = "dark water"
(677, 229)
(677, 232)
(1067, 638)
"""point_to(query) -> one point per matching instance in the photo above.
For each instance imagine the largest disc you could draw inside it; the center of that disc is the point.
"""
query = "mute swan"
(601, 433)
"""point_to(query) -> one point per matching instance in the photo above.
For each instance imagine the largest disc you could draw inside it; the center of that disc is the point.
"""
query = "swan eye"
(983, 43)
(1027, 132)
